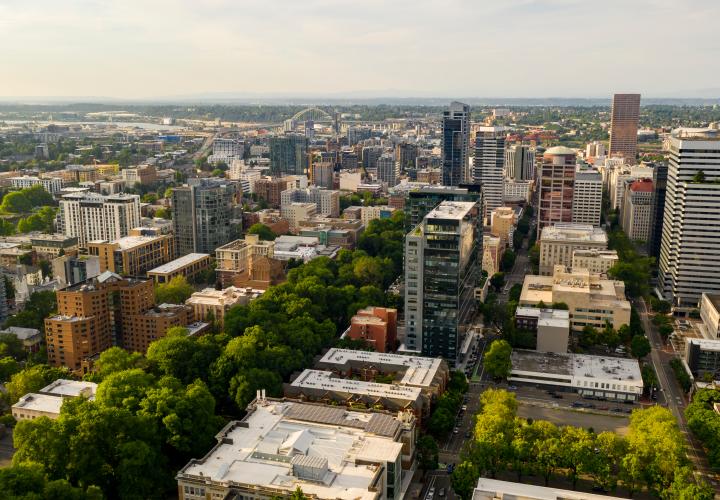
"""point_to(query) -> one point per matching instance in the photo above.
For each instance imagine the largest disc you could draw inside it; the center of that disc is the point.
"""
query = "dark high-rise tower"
(624, 125)
(288, 155)
(455, 144)
(660, 175)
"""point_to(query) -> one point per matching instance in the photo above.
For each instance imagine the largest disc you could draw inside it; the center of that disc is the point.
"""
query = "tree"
(514, 293)
(263, 231)
(660, 306)
(298, 494)
(441, 422)
(176, 291)
(28, 481)
(508, 260)
(115, 359)
(16, 203)
(163, 213)
(10, 345)
(687, 487)
(497, 281)
(640, 346)
(8, 367)
(464, 479)
(427, 451)
(32, 379)
(497, 359)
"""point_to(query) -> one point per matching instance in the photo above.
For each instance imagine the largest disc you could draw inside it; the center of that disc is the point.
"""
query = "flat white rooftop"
(70, 388)
(451, 210)
(318, 379)
(576, 365)
(493, 489)
(179, 263)
(705, 344)
(130, 242)
(45, 403)
(419, 371)
(262, 450)
(573, 233)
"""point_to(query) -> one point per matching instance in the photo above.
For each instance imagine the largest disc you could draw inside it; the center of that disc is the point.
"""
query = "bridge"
(313, 115)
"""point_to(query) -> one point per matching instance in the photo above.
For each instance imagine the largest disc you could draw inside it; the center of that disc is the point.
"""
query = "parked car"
(578, 404)
(456, 430)
(441, 492)
(512, 388)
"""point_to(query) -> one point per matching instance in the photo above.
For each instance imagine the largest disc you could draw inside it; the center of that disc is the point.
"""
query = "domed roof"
(560, 150)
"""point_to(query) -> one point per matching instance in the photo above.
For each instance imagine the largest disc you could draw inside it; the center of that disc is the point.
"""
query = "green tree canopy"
(176, 291)
(497, 359)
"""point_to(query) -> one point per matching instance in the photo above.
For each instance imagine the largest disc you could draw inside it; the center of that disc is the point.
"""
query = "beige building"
(189, 266)
(637, 212)
(503, 222)
(48, 400)
(368, 214)
(591, 299)
(493, 248)
(133, 255)
(296, 212)
(594, 260)
(559, 241)
(217, 302)
(237, 257)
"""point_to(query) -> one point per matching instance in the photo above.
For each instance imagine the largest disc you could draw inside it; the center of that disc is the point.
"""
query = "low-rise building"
(239, 257)
(52, 185)
(377, 326)
(494, 489)
(49, 246)
(559, 241)
(297, 212)
(370, 213)
(31, 338)
(332, 232)
(133, 255)
(703, 357)
(48, 400)
(213, 304)
(303, 248)
(189, 266)
(330, 453)
(551, 326)
(598, 377)
(591, 299)
(594, 260)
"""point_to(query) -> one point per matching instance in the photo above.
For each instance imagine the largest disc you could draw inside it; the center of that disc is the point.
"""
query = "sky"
(137, 49)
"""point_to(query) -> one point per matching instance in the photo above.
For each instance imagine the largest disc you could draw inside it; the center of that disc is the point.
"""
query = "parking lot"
(565, 416)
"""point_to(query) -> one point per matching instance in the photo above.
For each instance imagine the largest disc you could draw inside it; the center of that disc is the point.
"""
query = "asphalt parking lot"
(564, 416)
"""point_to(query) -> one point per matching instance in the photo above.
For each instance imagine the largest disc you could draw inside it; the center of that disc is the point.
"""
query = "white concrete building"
(52, 185)
(520, 163)
(226, 150)
(710, 315)
(93, 217)
(388, 170)
(488, 168)
(558, 242)
(331, 453)
(690, 245)
(517, 191)
(587, 197)
(327, 201)
(48, 400)
(637, 212)
(493, 489)
(370, 213)
(594, 260)
(296, 212)
(590, 376)
(595, 149)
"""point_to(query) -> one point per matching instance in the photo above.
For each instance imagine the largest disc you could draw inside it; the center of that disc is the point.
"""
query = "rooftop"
(546, 317)
(179, 263)
(642, 185)
(328, 452)
(228, 296)
(560, 150)
(714, 299)
(493, 489)
(70, 388)
(705, 344)
(45, 403)
(318, 379)
(574, 233)
(577, 365)
(130, 242)
(451, 210)
(21, 333)
(418, 371)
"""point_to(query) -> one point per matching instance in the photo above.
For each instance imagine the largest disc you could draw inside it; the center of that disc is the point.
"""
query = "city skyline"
(219, 48)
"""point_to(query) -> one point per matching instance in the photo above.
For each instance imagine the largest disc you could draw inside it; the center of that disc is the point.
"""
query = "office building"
(406, 155)
(187, 266)
(52, 185)
(442, 269)
(690, 247)
(203, 216)
(140, 174)
(620, 177)
(624, 126)
(594, 260)
(659, 178)
(587, 197)
(419, 202)
(710, 315)
(607, 378)
(49, 246)
(494, 489)
(226, 150)
(591, 299)
(289, 155)
(330, 453)
(47, 401)
(370, 157)
(488, 167)
(455, 143)
(637, 210)
(551, 327)
(376, 326)
(703, 357)
(517, 191)
(323, 174)
(92, 217)
(133, 255)
(520, 162)
(595, 149)
(555, 189)
(387, 170)
(296, 212)
(358, 134)
(326, 201)
(558, 243)
(211, 305)
(270, 188)
(503, 220)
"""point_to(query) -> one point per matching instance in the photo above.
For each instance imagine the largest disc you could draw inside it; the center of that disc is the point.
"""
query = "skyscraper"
(520, 162)
(203, 215)
(637, 210)
(420, 201)
(455, 144)
(660, 175)
(288, 154)
(387, 170)
(442, 269)
(587, 197)
(488, 166)
(690, 245)
(556, 179)
(624, 125)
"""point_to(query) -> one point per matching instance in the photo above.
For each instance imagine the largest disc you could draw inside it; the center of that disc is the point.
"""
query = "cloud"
(156, 48)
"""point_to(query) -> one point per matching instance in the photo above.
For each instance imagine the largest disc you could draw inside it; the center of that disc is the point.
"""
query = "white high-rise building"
(387, 170)
(489, 165)
(91, 216)
(637, 213)
(595, 149)
(52, 185)
(587, 197)
(520, 162)
(690, 246)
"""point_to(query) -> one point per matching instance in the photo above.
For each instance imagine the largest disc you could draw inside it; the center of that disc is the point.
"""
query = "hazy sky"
(470, 48)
